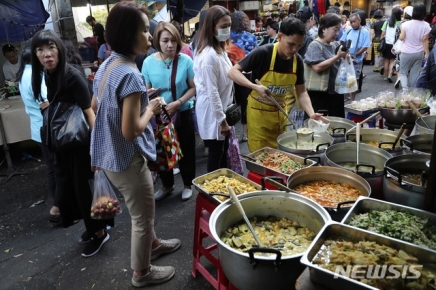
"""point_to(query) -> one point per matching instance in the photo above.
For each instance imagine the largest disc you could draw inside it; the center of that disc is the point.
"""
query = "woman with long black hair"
(388, 32)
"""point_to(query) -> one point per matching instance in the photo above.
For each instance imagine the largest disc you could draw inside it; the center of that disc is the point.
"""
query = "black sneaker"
(397, 83)
(382, 71)
(95, 245)
(85, 237)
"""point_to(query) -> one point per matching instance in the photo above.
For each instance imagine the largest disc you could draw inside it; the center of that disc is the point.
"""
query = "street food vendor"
(280, 70)
(12, 64)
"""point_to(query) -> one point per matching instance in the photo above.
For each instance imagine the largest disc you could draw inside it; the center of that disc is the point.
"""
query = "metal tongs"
(277, 104)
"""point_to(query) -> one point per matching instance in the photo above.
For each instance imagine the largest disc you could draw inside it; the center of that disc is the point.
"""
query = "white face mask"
(223, 34)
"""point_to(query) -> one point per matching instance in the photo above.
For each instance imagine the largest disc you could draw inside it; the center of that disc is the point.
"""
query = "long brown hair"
(207, 35)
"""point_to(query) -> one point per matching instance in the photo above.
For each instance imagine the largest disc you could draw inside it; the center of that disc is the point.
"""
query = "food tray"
(365, 204)
(335, 230)
(359, 112)
(217, 173)
(265, 171)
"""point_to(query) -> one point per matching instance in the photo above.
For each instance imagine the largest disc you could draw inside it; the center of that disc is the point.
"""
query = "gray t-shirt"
(318, 52)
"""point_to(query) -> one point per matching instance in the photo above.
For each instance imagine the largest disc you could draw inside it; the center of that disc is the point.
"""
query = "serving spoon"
(418, 114)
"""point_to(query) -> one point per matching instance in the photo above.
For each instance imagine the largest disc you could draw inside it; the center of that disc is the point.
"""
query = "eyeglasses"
(50, 49)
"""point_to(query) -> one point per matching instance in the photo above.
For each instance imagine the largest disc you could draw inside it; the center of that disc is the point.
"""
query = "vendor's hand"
(319, 117)
(44, 105)
(173, 107)
(262, 91)
(225, 128)
(95, 168)
(155, 106)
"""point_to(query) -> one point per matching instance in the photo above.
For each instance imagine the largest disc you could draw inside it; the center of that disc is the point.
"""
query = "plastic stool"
(359, 118)
(255, 177)
(203, 209)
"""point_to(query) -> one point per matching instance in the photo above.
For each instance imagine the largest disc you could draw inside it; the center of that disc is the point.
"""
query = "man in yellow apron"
(280, 70)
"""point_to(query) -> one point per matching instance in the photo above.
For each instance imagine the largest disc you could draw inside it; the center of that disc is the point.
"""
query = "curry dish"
(220, 184)
(278, 161)
(328, 193)
(289, 237)
(334, 253)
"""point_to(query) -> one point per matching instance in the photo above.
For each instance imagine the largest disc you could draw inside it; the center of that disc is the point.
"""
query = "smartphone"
(154, 93)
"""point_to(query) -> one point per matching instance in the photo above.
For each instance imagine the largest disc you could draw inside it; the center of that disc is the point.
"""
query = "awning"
(21, 19)
(189, 8)
(82, 3)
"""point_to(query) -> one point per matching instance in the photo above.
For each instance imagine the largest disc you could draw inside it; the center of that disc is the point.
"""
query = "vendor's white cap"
(408, 10)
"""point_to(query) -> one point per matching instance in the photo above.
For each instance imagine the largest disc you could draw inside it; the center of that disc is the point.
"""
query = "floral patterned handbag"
(234, 161)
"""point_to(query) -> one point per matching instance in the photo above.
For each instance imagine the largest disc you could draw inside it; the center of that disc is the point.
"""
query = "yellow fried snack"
(220, 184)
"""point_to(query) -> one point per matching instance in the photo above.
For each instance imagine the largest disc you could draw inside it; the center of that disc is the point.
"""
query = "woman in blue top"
(122, 141)
(157, 70)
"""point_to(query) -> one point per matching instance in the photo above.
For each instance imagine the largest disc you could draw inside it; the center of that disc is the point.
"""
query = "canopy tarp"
(21, 19)
(190, 8)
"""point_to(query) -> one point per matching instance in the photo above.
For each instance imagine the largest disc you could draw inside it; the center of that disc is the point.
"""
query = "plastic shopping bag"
(346, 78)
(234, 161)
(105, 204)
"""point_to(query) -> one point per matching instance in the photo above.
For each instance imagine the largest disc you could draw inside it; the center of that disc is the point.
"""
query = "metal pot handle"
(407, 143)
(288, 125)
(317, 160)
(394, 173)
(337, 130)
(274, 180)
(340, 204)
(324, 112)
(353, 134)
(365, 165)
(253, 250)
(384, 143)
(322, 144)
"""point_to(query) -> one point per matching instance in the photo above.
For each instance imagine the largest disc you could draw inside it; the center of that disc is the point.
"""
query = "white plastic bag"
(346, 81)
(317, 126)
(396, 49)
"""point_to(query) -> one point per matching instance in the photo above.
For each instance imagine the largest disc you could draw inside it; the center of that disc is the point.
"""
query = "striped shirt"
(109, 148)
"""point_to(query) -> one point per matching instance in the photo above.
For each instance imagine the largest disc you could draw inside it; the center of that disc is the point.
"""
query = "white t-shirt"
(415, 32)
(10, 70)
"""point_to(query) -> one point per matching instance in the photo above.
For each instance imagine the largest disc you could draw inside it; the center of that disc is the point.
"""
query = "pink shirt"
(187, 50)
(415, 30)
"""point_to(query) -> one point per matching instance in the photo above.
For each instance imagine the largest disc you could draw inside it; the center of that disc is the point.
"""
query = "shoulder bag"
(177, 120)
(316, 81)
(233, 113)
(382, 45)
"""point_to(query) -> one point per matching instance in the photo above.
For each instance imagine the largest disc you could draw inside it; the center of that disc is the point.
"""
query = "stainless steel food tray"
(198, 181)
(359, 112)
(339, 231)
(365, 204)
(266, 171)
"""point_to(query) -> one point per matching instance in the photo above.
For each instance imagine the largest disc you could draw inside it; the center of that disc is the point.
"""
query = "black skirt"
(387, 53)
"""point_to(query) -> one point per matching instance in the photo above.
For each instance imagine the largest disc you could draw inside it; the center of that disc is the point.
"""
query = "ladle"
(364, 121)
(400, 132)
(357, 142)
(418, 114)
(242, 212)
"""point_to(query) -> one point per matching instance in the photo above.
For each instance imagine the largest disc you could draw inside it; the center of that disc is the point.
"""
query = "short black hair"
(419, 12)
(304, 14)
(328, 20)
(292, 26)
(378, 14)
(274, 25)
(89, 19)
(8, 48)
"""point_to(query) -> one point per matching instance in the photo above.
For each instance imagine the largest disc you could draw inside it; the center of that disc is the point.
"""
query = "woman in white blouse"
(214, 88)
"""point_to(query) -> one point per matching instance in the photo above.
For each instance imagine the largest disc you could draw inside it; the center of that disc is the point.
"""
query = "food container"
(266, 171)
(400, 116)
(365, 204)
(386, 139)
(422, 128)
(337, 128)
(264, 272)
(198, 181)
(332, 174)
(348, 108)
(370, 167)
(420, 144)
(334, 231)
(395, 189)
(321, 142)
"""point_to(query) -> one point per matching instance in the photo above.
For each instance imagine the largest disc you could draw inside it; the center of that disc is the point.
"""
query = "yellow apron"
(264, 120)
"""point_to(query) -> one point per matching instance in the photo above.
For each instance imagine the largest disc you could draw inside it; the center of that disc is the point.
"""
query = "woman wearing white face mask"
(214, 88)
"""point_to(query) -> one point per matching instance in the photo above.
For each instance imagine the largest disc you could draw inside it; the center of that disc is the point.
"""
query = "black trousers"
(51, 176)
(217, 154)
(186, 134)
(73, 172)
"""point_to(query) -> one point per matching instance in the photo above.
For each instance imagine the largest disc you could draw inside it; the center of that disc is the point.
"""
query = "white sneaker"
(176, 171)
(186, 194)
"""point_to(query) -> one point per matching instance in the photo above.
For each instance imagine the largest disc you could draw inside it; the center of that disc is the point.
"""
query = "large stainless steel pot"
(386, 137)
(331, 174)
(422, 128)
(400, 116)
(370, 167)
(337, 128)
(264, 272)
(323, 141)
(395, 189)
(421, 144)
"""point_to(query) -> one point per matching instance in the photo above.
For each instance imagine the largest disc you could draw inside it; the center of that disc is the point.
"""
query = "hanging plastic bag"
(346, 78)
(105, 204)
(234, 161)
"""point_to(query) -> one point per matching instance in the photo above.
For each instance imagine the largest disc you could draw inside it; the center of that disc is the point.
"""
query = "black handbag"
(382, 45)
(64, 126)
(233, 113)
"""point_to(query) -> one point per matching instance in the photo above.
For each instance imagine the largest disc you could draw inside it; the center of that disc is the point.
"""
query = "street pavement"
(34, 254)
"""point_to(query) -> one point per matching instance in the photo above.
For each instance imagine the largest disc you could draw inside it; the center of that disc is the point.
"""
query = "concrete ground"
(34, 254)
